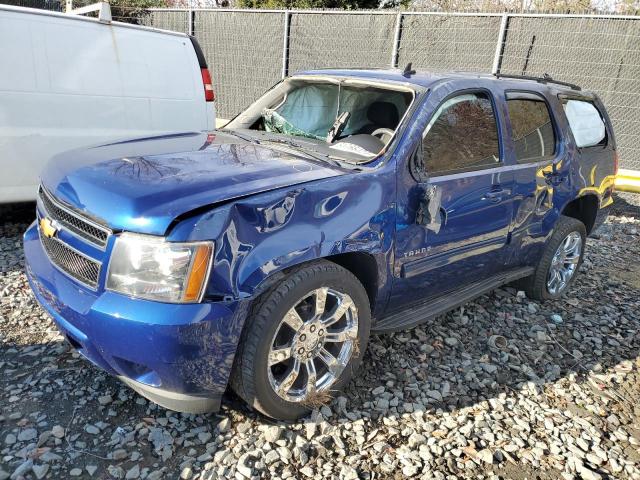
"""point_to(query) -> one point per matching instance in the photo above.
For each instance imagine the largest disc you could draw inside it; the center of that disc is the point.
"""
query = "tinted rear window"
(533, 134)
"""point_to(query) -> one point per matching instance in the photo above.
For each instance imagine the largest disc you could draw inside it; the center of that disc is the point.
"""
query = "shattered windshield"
(334, 118)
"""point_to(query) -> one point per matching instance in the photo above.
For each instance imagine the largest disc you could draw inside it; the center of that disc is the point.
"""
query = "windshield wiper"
(321, 157)
(246, 138)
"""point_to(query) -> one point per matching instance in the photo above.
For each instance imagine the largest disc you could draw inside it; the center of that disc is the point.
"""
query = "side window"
(533, 134)
(585, 122)
(462, 135)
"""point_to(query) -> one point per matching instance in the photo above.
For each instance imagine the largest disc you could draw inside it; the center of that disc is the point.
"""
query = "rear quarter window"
(586, 123)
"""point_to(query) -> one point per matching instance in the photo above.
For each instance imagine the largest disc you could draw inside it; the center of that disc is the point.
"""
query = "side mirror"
(429, 211)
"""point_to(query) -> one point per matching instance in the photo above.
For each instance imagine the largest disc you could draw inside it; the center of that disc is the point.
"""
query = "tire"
(535, 286)
(256, 382)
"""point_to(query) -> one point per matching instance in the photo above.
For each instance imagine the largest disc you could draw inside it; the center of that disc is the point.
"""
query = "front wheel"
(560, 261)
(304, 339)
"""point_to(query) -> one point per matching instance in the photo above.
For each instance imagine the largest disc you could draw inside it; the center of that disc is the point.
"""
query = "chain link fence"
(449, 42)
(250, 50)
(599, 54)
(244, 53)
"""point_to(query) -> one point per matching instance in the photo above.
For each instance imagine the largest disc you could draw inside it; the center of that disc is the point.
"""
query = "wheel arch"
(583, 208)
(363, 265)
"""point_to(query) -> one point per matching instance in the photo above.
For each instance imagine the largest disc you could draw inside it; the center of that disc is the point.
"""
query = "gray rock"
(133, 472)
(22, 469)
(91, 429)
(119, 454)
(271, 457)
(91, 469)
(272, 434)
(588, 474)
(557, 319)
(224, 425)
(485, 455)
(27, 435)
(378, 390)
(434, 394)
(115, 471)
(40, 470)
(242, 467)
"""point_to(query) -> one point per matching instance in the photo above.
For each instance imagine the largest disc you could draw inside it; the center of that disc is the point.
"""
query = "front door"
(454, 201)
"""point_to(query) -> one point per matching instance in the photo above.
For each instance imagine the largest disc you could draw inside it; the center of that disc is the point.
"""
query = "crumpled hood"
(143, 185)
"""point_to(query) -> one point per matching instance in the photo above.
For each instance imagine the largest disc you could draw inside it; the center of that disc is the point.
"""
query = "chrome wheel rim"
(564, 263)
(312, 344)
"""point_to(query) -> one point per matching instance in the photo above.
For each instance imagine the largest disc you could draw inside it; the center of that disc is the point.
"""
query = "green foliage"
(132, 10)
(340, 4)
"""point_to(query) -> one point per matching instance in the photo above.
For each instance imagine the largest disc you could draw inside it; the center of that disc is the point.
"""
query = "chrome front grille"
(72, 262)
(75, 223)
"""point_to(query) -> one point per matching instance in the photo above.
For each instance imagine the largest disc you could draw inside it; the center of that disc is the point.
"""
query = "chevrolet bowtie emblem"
(47, 228)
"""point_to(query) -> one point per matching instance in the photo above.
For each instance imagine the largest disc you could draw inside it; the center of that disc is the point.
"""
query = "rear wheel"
(559, 263)
(304, 339)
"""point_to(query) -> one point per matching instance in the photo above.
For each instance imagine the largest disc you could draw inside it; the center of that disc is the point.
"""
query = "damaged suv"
(341, 202)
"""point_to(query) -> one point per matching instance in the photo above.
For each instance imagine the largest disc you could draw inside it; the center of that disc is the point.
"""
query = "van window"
(533, 134)
(461, 136)
(586, 123)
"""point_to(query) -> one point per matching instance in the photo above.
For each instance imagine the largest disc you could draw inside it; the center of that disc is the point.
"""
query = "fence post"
(192, 19)
(500, 45)
(396, 41)
(285, 43)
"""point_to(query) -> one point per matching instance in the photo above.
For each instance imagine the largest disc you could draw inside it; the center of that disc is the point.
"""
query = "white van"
(69, 81)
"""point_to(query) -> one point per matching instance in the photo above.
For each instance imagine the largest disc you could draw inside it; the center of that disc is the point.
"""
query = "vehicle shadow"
(17, 213)
(626, 204)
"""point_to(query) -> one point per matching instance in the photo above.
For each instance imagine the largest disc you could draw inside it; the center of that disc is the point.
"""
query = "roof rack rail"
(103, 9)
(546, 78)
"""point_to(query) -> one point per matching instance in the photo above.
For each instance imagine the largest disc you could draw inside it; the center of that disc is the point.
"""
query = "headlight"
(150, 267)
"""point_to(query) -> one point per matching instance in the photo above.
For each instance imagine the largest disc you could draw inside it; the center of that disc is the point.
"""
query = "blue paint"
(267, 210)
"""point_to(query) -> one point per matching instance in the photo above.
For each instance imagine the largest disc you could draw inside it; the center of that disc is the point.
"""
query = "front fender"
(267, 233)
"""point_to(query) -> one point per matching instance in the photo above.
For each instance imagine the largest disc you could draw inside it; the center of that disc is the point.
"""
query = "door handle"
(554, 177)
(493, 196)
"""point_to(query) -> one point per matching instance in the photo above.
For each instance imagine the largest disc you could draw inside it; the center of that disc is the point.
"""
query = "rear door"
(541, 171)
(460, 164)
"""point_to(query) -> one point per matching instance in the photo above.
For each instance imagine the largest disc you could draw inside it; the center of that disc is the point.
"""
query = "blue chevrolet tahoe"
(341, 202)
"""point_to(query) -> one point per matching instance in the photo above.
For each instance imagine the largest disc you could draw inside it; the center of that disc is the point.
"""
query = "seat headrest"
(383, 115)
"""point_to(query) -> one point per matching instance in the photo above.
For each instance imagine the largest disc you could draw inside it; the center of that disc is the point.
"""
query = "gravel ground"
(563, 400)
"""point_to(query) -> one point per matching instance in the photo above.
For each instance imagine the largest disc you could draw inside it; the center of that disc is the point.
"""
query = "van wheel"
(560, 261)
(304, 339)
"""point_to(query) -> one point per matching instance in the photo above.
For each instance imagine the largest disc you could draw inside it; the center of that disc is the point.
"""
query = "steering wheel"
(383, 134)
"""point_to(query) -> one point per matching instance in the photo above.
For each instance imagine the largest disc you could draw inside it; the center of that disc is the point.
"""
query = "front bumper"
(177, 355)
